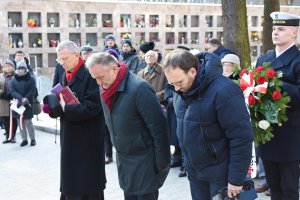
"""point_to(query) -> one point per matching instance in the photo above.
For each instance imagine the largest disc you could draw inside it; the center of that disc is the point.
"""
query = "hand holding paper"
(14, 106)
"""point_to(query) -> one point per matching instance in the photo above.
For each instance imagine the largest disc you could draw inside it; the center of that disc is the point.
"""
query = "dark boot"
(32, 143)
(24, 143)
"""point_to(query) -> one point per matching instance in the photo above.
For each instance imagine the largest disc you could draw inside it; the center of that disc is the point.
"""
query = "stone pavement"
(32, 173)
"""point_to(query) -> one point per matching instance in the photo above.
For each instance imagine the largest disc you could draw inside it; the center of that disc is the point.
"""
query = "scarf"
(107, 94)
(71, 75)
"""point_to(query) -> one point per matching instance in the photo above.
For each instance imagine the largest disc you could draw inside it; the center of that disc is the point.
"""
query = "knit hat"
(232, 58)
(145, 47)
(113, 53)
(127, 41)
(87, 49)
(21, 64)
(9, 62)
(109, 37)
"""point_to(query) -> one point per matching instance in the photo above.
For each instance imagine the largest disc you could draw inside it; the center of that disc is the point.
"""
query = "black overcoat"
(82, 138)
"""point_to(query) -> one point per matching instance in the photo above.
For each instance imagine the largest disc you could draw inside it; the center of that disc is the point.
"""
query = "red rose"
(251, 100)
(243, 72)
(271, 73)
(243, 87)
(261, 80)
(276, 95)
(259, 69)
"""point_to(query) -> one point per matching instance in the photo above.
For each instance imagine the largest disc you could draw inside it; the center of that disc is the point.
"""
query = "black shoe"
(181, 168)
(6, 141)
(183, 173)
(175, 164)
(32, 143)
(24, 143)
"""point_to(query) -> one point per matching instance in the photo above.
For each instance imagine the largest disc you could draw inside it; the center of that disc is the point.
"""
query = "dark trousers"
(283, 179)
(204, 190)
(177, 156)
(108, 144)
(6, 121)
(83, 197)
(149, 196)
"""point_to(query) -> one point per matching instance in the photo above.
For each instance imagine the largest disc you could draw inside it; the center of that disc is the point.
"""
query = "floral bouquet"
(265, 99)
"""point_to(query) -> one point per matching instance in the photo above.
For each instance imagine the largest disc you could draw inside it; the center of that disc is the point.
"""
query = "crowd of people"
(140, 104)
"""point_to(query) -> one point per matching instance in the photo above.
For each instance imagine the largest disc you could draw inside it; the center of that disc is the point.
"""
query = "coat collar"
(79, 76)
(285, 58)
(158, 70)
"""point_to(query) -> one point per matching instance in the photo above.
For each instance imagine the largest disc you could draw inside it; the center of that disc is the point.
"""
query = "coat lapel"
(285, 58)
(78, 76)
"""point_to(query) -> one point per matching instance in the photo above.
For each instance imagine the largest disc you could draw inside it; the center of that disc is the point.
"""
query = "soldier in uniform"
(282, 154)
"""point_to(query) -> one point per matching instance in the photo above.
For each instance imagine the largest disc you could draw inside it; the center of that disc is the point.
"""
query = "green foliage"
(266, 109)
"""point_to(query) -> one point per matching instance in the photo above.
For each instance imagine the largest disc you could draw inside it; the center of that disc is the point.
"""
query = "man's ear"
(193, 72)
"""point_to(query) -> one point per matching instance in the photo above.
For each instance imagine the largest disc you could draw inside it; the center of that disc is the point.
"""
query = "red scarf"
(71, 75)
(107, 94)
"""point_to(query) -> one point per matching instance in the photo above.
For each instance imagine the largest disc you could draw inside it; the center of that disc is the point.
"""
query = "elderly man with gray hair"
(82, 130)
(137, 127)
(153, 73)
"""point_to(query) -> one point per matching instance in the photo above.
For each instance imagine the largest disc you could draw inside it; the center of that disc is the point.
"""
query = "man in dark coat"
(213, 124)
(216, 47)
(129, 56)
(137, 126)
(82, 129)
(281, 155)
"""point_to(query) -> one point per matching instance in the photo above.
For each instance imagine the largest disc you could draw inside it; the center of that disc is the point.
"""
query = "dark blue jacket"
(284, 146)
(23, 87)
(213, 125)
(222, 51)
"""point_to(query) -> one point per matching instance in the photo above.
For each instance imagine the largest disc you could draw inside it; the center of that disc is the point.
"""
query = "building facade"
(37, 26)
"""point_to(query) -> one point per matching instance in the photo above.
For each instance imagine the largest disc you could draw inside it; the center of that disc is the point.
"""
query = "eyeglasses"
(178, 83)
(60, 60)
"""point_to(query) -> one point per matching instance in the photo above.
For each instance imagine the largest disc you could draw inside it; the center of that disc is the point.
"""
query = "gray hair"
(151, 52)
(103, 58)
(69, 45)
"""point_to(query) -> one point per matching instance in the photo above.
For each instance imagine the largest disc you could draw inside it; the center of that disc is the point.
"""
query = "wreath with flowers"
(265, 99)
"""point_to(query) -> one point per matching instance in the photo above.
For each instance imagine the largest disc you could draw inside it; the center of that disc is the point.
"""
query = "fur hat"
(145, 47)
(52, 106)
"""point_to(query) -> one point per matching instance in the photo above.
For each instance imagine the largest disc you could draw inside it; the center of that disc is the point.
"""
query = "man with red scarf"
(82, 130)
(137, 127)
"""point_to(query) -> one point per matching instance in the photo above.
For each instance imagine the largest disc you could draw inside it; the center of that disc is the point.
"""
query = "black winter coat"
(23, 87)
(213, 126)
(284, 146)
(131, 59)
(82, 136)
(139, 132)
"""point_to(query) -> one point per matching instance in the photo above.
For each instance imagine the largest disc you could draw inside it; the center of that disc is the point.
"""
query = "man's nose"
(176, 87)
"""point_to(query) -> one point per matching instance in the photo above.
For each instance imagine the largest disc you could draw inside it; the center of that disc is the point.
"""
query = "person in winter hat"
(110, 43)
(5, 98)
(144, 48)
(129, 56)
(229, 62)
(22, 88)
